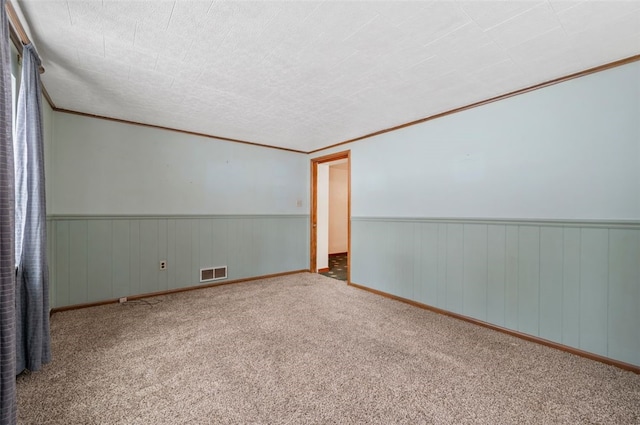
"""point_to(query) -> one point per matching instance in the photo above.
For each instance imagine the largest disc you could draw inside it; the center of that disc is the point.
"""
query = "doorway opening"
(331, 215)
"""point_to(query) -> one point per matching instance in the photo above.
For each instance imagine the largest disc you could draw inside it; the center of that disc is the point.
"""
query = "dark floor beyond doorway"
(337, 267)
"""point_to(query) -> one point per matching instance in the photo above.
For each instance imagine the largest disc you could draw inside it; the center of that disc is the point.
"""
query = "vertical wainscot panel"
(376, 259)
(121, 254)
(134, 259)
(51, 261)
(171, 254)
(442, 266)
(551, 264)
(183, 262)
(455, 267)
(496, 273)
(241, 248)
(386, 269)
(416, 249)
(571, 286)
(402, 258)
(62, 257)
(219, 242)
(99, 261)
(624, 295)
(426, 241)
(594, 278)
(163, 255)
(196, 263)
(474, 299)
(149, 259)
(205, 238)
(528, 279)
(270, 235)
(361, 258)
(512, 273)
(78, 278)
(298, 244)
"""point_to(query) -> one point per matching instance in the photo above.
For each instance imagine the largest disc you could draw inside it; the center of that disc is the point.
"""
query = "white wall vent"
(213, 273)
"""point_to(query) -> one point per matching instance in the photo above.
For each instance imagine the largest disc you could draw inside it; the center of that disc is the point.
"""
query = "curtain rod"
(17, 27)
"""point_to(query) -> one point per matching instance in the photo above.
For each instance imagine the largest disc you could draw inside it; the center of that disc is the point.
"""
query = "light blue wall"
(107, 167)
(568, 151)
(454, 213)
(125, 197)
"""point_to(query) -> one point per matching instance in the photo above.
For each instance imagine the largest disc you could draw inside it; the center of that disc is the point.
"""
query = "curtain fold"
(33, 344)
(7, 217)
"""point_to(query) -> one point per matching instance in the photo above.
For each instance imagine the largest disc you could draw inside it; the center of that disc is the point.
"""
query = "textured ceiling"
(305, 74)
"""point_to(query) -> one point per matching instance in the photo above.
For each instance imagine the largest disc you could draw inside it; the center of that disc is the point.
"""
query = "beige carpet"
(307, 349)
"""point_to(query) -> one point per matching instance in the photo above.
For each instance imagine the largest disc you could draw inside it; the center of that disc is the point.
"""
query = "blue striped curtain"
(33, 344)
(7, 254)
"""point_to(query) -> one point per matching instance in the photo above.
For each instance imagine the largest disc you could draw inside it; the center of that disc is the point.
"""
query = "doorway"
(331, 172)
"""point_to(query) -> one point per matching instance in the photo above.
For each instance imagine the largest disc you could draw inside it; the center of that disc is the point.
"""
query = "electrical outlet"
(123, 300)
(163, 265)
(299, 203)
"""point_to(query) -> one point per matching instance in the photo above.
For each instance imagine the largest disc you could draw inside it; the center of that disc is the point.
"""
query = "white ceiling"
(308, 74)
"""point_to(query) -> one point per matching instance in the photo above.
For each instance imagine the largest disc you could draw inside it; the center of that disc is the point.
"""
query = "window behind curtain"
(15, 84)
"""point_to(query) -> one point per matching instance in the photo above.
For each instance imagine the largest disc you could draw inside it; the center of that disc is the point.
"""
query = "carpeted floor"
(307, 349)
(337, 267)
